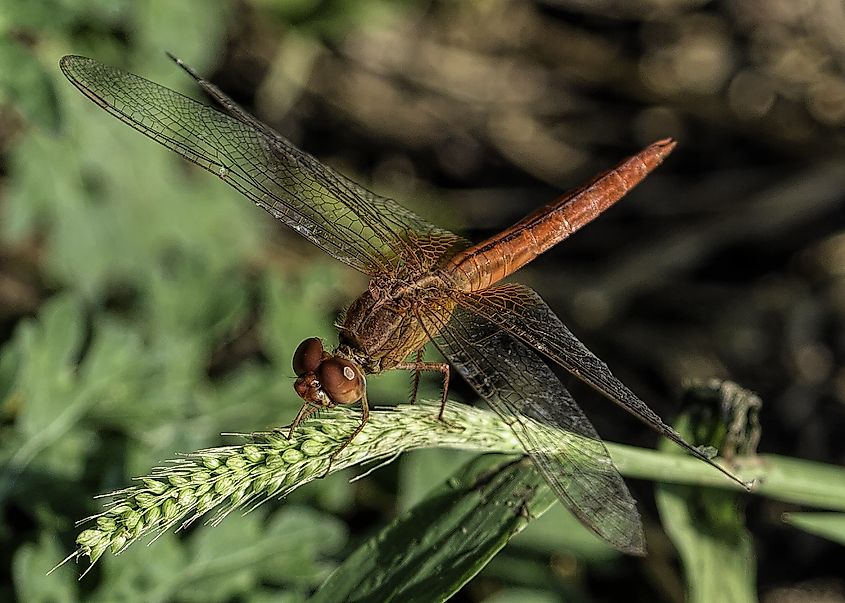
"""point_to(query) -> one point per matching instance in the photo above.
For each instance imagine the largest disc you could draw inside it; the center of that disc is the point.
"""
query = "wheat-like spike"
(216, 481)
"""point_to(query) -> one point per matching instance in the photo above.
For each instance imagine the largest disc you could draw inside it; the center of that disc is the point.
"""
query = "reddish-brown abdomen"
(492, 260)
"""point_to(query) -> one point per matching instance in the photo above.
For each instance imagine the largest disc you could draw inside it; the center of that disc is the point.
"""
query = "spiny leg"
(306, 411)
(442, 367)
(415, 381)
(365, 416)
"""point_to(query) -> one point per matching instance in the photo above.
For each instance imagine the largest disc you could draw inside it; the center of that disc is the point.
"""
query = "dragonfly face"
(326, 380)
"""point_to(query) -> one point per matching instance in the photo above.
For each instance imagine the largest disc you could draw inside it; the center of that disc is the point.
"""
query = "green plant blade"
(707, 525)
(430, 552)
(27, 568)
(708, 528)
(826, 525)
(796, 480)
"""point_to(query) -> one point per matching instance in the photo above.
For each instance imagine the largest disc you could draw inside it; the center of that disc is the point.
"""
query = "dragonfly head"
(323, 379)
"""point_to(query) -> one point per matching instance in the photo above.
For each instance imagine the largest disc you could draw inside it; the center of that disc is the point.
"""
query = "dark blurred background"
(145, 307)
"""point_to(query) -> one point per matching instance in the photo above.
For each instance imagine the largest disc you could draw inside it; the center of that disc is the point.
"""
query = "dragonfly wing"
(520, 311)
(431, 243)
(521, 388)
(370, 233)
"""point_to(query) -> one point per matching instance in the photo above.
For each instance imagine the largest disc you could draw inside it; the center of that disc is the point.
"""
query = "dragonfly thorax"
(382, 327)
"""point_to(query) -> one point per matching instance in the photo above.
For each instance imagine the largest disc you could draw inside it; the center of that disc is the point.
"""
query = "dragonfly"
(426, 284)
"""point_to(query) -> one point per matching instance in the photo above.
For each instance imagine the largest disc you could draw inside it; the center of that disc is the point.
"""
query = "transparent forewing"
(368, 232)
(556, 434)
(523, 313)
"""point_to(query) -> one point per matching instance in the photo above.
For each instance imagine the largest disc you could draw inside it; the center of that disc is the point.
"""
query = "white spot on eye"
(348, 373)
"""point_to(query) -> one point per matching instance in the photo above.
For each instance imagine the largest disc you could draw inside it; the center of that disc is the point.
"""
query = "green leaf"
(223, 560)
(46, 379)
(707, 527)
(159, 24)
(796, 480)
(778, 477)
(143, 573)
(31, 563)
(428, 553)
(228, 561)
(10, 362)
(422, 469)
(26, 84)
(288, 549)
(300, 542)
(50, 346)
(826, 525)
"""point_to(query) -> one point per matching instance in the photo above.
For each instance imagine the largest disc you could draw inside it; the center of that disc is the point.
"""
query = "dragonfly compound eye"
(307, 356)
(342, 380)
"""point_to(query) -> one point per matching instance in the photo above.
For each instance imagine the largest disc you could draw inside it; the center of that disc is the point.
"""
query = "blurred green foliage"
(152, 269)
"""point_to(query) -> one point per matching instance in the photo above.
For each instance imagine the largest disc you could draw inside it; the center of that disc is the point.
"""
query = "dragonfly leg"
(306, 411)
(415, 381)
(444, 368)
(365, 416)
(418, 366)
